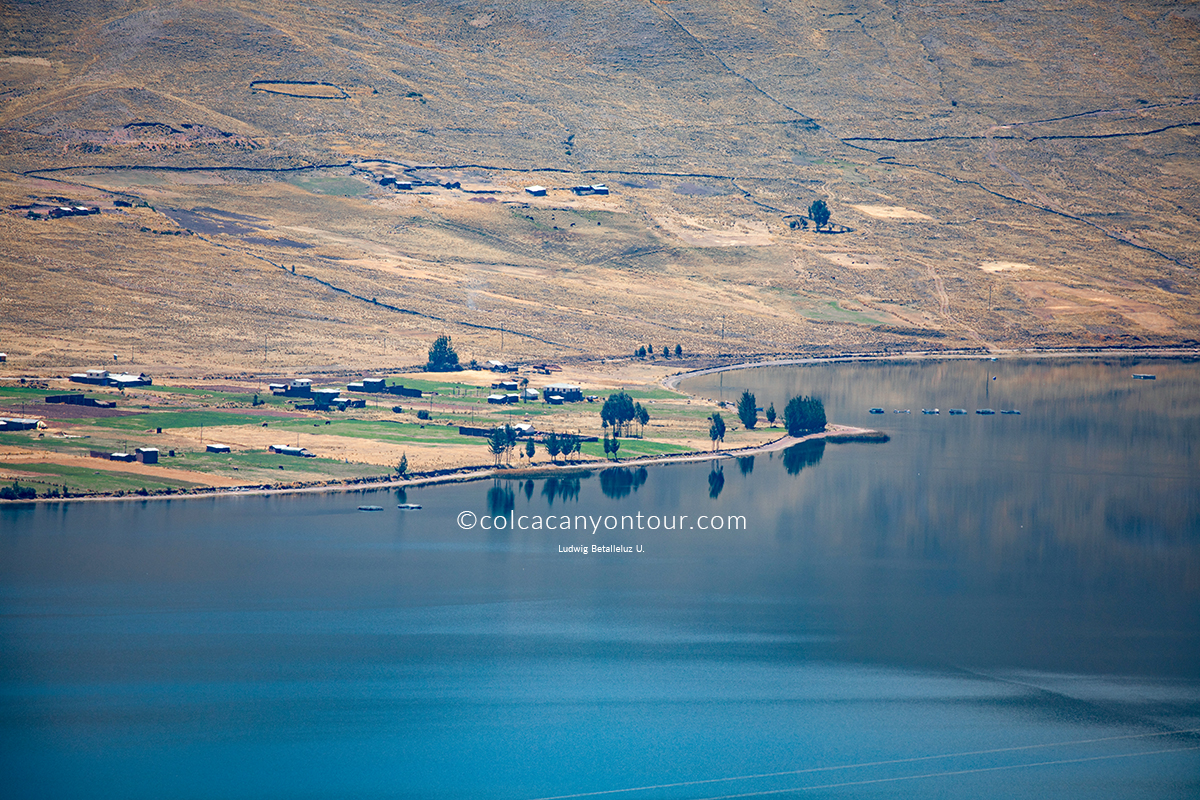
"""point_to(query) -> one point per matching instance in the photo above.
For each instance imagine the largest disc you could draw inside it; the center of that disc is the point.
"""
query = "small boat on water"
(1142, 376)
(370, 508)
(930, 411)
(1010, 411)
(901, 411)
(984, 411)
(875, 410)
(408, 506)
(957, 412)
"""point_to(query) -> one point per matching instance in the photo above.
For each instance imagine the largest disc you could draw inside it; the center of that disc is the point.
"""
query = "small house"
(18, 424)
(570, 393)
(554, 399)
(218, 448)
(122, 457)
(3, 357)
(72, 399)
(147, 455)
(323, 398)
(497, 399)
(529, 394)
(97, 377)
(536, 191)
(288, 450)
(374, 384)
(128, 381)
(512, 397)
(299, 387)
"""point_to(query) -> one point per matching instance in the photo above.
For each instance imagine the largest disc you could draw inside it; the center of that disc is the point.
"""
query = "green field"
(181, 419)
(81, 480)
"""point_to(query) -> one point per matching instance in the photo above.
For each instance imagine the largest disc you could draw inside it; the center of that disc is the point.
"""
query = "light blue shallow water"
(984, 606)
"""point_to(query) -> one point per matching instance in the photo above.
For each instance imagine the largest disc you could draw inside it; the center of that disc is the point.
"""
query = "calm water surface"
(984, 606)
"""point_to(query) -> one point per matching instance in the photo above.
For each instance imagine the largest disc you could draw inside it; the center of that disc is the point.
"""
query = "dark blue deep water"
(1001, 606)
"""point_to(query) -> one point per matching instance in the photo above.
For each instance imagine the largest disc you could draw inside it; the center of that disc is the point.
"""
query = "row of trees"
(502, 442)
(802, 415)
(642, 352)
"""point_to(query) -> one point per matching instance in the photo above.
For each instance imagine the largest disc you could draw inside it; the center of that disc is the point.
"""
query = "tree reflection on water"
(805, 454)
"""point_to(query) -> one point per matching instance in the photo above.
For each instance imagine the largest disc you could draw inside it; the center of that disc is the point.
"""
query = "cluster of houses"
(143, 455)
(58, 212)
(102, 377)
(555, 394)
(510, 391)
(581, 191)
(405, 184)
(326, 398)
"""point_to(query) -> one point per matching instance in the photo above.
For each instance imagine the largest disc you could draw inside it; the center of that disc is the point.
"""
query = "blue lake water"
(984, 606)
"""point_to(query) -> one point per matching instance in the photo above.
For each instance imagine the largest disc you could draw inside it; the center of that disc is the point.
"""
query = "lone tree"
(771, 415)
(442, 357)
(402, 467)
(747, 410)
(716, 431)
(567, 442)
(618, 411)
(530, 449)
(643, 416)
(497, 444)
(611, 446)
(804, 415)
(818, 212)
(678, 351)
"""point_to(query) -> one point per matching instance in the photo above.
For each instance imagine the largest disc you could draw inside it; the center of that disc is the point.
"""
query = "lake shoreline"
(1173, 353)
(469, 474)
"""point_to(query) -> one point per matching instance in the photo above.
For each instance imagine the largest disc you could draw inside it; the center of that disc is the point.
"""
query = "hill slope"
(999, 175)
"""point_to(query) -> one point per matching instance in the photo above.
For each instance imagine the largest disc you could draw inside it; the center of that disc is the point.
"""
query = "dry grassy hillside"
(1000, 174)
